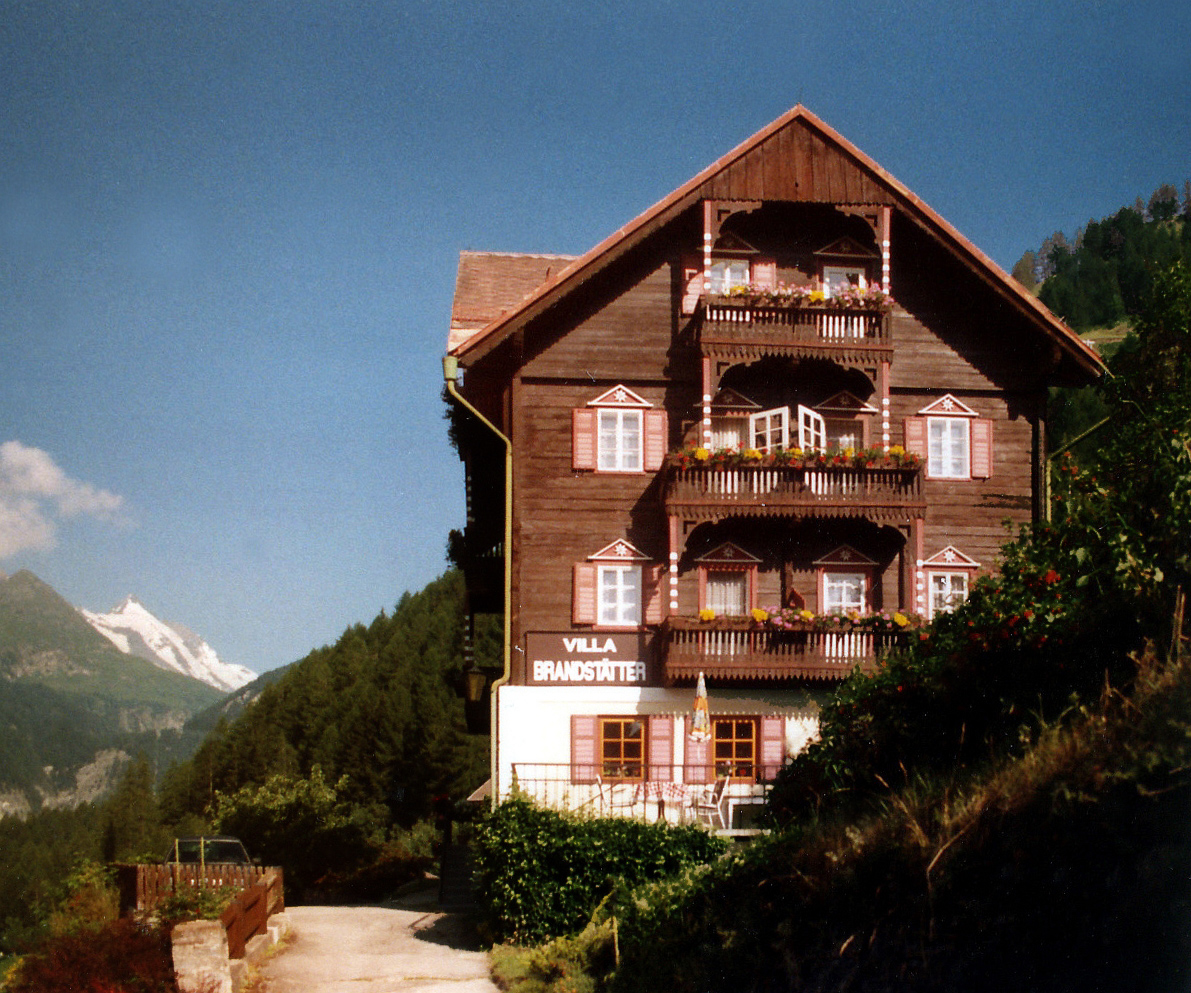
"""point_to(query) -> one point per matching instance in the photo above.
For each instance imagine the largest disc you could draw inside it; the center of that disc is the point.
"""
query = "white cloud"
(35, 493)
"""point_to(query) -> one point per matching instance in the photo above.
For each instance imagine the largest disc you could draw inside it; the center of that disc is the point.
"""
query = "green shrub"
(541, 873)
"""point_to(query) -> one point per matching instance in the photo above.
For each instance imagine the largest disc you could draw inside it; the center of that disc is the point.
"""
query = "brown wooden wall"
(950, 335)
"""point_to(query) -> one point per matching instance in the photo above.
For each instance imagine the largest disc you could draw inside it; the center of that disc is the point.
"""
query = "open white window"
(617, 587)
(949, 577)
(770, 429)
(954, 440)
(618, 431)
(812, 430)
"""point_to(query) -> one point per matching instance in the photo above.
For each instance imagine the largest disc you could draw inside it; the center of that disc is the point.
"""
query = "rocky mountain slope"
(170, 646)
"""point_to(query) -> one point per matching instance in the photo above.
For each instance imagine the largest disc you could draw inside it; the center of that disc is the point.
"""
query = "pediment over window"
(732, 244)
(619, 396)
(950, 558)
(948, 406)
(619, 551)
(728, 554)
(845, 557)
(845, 403)
(846, 248)
(728, 401)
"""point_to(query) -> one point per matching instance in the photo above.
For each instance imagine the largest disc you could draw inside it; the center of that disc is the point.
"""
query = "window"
(838, 277)
(729, 432)
(947, 448)
(622, 748)
(844, 432)
(728, 592)
(844, 591)
(953, 440)
(947, 591)
(727, 273)
(812, 430)
(734, 746)
(619, 603)
(618, 432)
(619, 441)
(617, 587)
(727, 580)
(770, 429)
(948, 575)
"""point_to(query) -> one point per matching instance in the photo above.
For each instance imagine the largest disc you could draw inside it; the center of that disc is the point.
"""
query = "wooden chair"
(711, 809)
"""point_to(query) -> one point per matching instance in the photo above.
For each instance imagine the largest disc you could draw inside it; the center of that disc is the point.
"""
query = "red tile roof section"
(491, 284)
(582, 266)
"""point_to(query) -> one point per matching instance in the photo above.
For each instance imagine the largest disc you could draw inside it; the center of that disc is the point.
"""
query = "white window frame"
(954, 597)
(812, 430)
(762, 430)
(950, 455)
(833, 580)
(620, 453)
(625, 584)
(726, 273)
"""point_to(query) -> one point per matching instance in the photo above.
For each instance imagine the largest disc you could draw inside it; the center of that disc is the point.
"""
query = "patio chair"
(710, 809)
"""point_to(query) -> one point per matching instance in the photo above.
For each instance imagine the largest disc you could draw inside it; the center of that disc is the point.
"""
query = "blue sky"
(229, 234)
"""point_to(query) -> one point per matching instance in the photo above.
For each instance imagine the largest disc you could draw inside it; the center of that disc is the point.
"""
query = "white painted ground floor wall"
(534, 723)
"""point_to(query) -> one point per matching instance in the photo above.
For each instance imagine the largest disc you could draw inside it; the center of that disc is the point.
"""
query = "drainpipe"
(450, 371)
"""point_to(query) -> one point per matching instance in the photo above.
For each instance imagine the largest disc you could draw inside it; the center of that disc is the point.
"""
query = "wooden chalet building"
(755, 434)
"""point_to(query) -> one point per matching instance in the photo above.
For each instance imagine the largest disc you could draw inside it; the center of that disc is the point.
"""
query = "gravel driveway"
(377, 950)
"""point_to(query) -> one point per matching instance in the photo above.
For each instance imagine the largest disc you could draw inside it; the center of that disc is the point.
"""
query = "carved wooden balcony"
(744, 329)
(710, 491)
(740, 649)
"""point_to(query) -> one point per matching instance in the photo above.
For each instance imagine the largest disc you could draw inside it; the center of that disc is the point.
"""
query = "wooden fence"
(261, 893)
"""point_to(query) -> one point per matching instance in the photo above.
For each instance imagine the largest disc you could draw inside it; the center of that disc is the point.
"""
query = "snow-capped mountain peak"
(135, 631)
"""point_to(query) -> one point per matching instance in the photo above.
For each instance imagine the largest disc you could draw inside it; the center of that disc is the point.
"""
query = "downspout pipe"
(450, 371)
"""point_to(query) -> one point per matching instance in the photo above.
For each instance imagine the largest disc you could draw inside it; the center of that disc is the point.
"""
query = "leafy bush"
(121, 957)
(542, 873)
(386, 867)
(304, 825)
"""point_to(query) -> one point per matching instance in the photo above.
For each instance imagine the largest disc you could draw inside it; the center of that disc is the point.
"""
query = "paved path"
(408, 948)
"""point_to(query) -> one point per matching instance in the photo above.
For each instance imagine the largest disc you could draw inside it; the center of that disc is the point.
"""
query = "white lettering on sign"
(591, 645)
(603, 670)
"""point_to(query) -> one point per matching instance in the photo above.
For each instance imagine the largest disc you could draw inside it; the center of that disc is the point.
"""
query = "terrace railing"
(743, 324)
(707, 491)
(674, 793)
(740, 649)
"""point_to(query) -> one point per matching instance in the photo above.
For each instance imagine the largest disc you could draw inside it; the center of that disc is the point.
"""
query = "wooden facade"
(788, 390)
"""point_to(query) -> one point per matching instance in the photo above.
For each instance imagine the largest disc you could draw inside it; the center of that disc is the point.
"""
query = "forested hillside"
(1103, 274)
(379, 706)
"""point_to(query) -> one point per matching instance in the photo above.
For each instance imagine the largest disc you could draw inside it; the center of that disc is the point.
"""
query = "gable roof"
(796, 158)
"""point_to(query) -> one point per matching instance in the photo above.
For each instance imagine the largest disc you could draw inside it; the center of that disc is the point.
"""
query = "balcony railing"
(740, 649)
(675, 793)
(707, 491)
(743, 323)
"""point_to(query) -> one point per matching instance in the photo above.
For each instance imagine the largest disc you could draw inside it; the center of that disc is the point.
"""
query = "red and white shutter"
(692, 282)
(773, 746)
(585, 740)
(982, 449)
(583, 438)
(660, 759)
(652, 577)
(656, 430)
(916, 436)
(583, 593)
(697, 763)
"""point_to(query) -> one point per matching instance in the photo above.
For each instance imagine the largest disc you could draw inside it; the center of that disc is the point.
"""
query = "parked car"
(215, 850)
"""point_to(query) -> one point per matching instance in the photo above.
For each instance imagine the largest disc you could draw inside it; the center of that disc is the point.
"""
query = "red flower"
(1050, 577)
